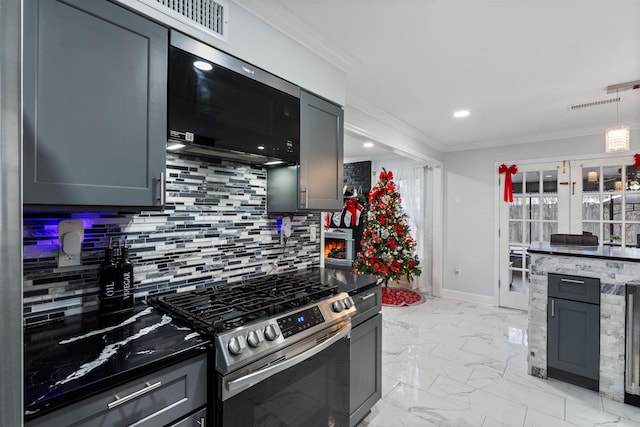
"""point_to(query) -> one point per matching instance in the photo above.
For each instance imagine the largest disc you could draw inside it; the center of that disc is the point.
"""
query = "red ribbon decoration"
(508, 183)
(636, 159)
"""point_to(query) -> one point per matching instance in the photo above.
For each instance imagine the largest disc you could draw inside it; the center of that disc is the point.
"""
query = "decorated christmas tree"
(388, 250)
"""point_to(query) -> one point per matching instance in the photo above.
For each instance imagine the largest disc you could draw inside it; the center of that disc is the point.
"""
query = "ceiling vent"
(594, 103)
(212, 15)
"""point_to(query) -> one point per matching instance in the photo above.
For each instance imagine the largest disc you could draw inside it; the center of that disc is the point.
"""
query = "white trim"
(366, 107)
(290, 25)
(437, 250)
(541, 137)
(404, 152)
(469, 297)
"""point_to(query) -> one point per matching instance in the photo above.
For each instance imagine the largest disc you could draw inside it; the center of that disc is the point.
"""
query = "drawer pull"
(120, 400)
(579, 282)
(201, 422)
(366, 297)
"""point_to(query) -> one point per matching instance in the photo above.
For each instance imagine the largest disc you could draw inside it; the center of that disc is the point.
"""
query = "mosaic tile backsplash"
(214, 230)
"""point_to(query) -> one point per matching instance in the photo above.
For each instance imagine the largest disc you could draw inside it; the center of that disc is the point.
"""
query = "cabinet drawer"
(368, 304)
(574, 288)
(153, 400)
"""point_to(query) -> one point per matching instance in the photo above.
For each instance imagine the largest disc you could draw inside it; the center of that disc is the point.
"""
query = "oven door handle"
(262, 374)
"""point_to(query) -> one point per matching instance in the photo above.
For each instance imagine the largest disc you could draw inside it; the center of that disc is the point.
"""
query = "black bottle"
(125, 281)
(109, 299)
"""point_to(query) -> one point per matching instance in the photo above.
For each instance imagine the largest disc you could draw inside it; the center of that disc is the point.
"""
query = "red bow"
(636, 159)
(508, 183)
(386, 175)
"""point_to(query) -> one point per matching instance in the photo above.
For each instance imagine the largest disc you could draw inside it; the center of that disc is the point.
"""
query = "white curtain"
(411, 186)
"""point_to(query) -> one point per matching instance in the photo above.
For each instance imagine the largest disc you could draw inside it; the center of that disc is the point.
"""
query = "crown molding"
(541, 137)
(290, 25)
(376, 112)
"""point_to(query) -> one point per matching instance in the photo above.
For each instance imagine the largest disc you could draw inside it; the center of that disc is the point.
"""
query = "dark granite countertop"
(85, 354)
(603, 252)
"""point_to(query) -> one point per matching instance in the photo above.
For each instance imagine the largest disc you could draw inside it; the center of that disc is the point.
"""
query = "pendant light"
(617, 137)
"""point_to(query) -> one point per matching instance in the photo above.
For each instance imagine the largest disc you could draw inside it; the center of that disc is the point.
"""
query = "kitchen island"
(614, 267)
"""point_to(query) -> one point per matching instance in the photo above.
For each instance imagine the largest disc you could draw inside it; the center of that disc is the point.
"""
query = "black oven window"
(314, 393)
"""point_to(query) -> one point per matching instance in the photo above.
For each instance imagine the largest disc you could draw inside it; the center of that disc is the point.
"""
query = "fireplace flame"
(334, 248)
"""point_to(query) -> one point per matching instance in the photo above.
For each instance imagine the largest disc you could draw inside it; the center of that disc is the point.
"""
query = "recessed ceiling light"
(461, 113)
(274, 162)
(367, 144)
(260, 147)
(203, 65)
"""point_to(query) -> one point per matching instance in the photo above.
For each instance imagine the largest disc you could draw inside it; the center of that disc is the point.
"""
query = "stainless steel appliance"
(220, 106)
(632, 350)
(281, 353)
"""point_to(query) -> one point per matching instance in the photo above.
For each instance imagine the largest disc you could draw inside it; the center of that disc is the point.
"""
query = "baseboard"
(469, 297)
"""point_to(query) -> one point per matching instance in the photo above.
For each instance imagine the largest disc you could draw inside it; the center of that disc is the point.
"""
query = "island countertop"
(617, 253)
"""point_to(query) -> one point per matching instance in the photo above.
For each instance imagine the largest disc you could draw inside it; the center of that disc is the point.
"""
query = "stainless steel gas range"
(281, 353)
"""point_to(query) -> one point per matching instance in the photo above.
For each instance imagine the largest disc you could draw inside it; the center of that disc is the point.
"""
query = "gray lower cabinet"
(95, 85)
(573, 330)
(176, 395)
(366, 367)
(316, 184)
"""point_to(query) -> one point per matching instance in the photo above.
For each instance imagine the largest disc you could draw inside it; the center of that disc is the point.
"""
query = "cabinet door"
(321, 154)
(366, 368)
(95, 83)
(573, 344)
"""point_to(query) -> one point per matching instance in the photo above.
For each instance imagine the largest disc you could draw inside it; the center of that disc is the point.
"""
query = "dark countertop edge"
(107, 383)
(594, 252)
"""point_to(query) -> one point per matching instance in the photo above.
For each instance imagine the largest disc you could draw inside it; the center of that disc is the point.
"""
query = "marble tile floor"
(453, 363)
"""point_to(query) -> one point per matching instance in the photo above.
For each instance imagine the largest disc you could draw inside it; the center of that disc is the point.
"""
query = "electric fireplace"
(339, 247)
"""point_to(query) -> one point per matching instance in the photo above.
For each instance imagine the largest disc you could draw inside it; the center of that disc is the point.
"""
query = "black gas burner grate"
(216, 309)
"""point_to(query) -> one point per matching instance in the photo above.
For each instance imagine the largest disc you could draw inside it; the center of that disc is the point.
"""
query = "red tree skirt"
(399, 297)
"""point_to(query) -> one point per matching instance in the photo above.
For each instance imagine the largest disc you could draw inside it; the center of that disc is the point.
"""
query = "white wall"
(256, 42)
(470, 207)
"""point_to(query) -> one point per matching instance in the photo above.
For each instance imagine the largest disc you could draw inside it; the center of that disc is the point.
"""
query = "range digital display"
(300, 321)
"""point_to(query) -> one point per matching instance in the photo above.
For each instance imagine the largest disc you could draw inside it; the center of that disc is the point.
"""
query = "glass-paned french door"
(597, 196)
(539, 190)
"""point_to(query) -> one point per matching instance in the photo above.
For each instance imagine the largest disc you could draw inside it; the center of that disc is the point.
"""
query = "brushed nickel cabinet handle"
(367, 296)
(120, 400)
(579, 282)
(163, 188)
(630, 377)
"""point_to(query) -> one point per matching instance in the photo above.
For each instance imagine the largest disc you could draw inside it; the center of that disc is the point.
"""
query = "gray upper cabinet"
(316, 184)
(95, 96)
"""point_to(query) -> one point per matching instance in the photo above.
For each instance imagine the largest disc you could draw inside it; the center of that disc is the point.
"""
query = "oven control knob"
(237, 345)
(337, 306)
(271, 332)
(254, 339)
(347, 303)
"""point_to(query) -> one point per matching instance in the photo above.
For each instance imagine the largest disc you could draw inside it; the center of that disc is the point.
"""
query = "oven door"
(306, 384)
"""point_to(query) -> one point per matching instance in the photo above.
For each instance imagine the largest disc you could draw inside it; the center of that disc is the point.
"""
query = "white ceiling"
(517, 65)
